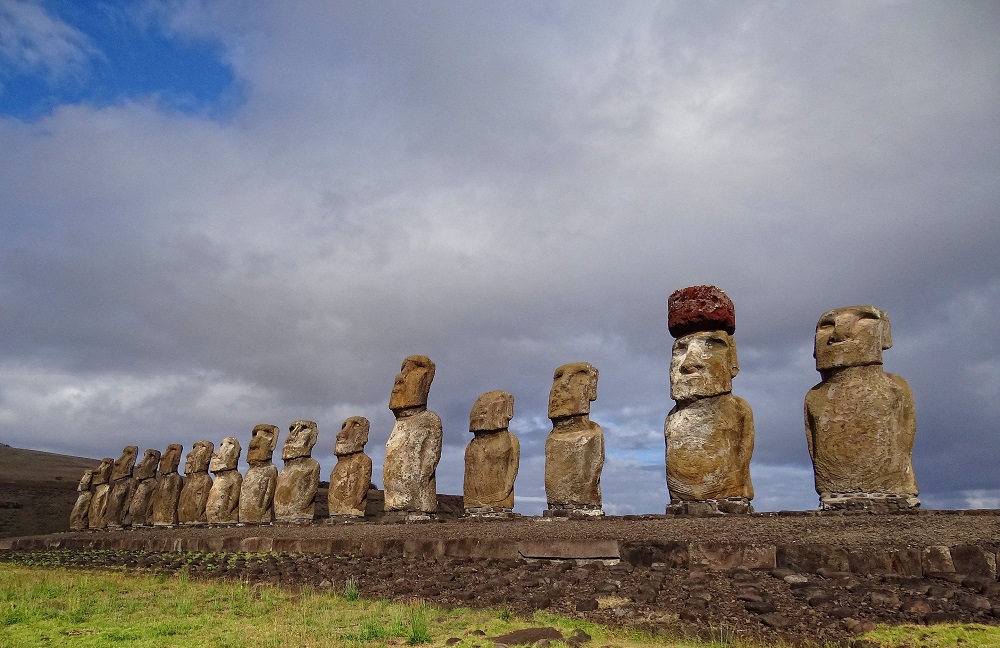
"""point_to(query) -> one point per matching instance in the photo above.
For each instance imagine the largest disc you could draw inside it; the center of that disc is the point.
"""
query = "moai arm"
(810, 425)
(907, 428)
(431, 448)
(515, 460)
(746, 441)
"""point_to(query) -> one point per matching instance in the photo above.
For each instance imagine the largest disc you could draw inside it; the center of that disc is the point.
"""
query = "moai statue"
(860, 420)
(709, 433)
(352, 476)
(414, 446)
(574, 450)
(141, 507)
(257, 492)
(223, 506)
(492, 457)
(298, 481)
(122, 488)
(97, 515)
(197, 484)
(169, 484)
(81, 510)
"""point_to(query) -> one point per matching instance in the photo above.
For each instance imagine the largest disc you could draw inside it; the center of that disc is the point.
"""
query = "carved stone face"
(262, 443)
(352, 437)
(198, 458)
(102, 475)
(301, 439)
(413, 383)
(171, 458)
(85, 481)
(851, 337)
(125, 463)
(147, 467)
(491, 411)
(574, 385)
(702, 364)
(227, 456)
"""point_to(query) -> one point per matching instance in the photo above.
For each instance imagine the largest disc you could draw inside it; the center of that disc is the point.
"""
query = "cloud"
(33, 41)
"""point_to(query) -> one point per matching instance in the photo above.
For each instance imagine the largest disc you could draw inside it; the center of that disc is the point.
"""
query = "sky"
(214, 215)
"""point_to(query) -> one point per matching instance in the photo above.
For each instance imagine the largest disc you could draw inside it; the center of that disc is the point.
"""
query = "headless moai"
(169, 484)
(97, 515)
(122, 488)
(574, 450)
(197, 484)
(860, 420)
(81, 510)
(140, 508)
(352, 476)
(492, 457)
(709, 433)
(413, 450)
(223, 505)
(257, 491)
(298, 481)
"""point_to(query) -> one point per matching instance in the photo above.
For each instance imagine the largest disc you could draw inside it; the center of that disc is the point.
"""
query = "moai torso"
(81, 510)
(574, 450)
(141, 507)
(223, 505)
(257, 490)
(168, 487)
(352, 476)
(492, 457)
(298, 481)
(122, 488)
(197, 484)
(97, 515)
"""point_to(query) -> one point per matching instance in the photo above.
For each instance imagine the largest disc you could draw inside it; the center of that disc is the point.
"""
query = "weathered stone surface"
(263, 441)
(223, 505)
(352, 476)
(140, 508)
(860, 420)
(81, 510)
(298, 481)
(700, 308)
(197, 484)
(257, 491)
(493, 456)
(168, 487)
(574, 450)
(97, 515)
(122, 487)
(414, 446)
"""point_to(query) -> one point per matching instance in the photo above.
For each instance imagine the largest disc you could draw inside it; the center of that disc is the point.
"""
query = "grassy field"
(60, 607)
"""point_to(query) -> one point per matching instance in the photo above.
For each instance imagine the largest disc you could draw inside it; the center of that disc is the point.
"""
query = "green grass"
(967, 635)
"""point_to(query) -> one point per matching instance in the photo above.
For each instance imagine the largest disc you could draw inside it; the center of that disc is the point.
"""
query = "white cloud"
(33, 41)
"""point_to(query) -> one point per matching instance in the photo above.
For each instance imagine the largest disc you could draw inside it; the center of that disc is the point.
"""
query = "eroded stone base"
(572, 511)
(489, 512)
(874, 502)
(728, 505)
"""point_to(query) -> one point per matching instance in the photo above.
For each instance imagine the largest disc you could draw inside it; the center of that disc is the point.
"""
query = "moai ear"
(592, 384)
(885, 331)
(734, 363)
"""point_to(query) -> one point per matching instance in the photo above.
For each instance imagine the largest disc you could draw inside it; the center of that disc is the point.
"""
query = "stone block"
(569, 549)
(671, 554)
(974, 560)
(936, 558)
(423, 549)
(256, 543)
(807, 558)
(721, 556)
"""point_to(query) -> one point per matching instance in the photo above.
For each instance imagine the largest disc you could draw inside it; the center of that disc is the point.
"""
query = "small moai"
(81, 510)
(298, 481)
(574, 449)
(197, 484)
(352, 476)
(140, 509)
(257, 491)
(860, 420)
(413, 450)
(97, 515)
(709, 433)
(491, 458)
(223, 506)
(122, 488)
(169, 484)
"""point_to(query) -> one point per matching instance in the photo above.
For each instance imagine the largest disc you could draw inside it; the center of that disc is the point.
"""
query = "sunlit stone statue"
(197, 484)
(414, 447)
(140, 509)
(257, 492)
(223, 506)
(709, 433)
(298, 481)
(168, 487)
(574, 450)
(860, 421)
(81, 510)
(352, 476)
(97, 515)
(122, 487)
(492, 457)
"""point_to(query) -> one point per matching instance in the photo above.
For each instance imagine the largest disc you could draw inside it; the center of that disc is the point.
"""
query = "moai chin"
(257, 491)
(298, 481)
(140, 508)
(491, 458)
(81, 510)
(197, 484)
(860, 420)
(709, 433)
(352, 476)
(574, 450)
(97, 515)
(169, 483)
(223, 505)
(414, 446)
(122, 488)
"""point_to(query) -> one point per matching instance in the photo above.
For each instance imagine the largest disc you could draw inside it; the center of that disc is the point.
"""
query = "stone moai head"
(227, 455)
(147, 467)
(703, 360)
(574, 386)
(102, 474)
(263, 441)
(171, 458)
(85, 481)
(125, 463)
(198, 458)
(492, 411)
(352, 437)
(851, 336)
(302, 437)
(413, 384)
